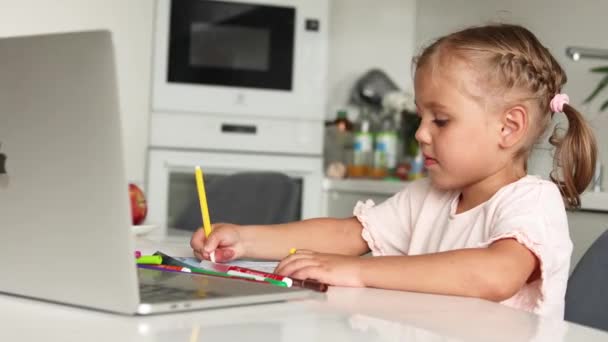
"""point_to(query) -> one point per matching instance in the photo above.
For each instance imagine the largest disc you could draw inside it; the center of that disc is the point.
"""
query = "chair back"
(587, 292)
(246, 198)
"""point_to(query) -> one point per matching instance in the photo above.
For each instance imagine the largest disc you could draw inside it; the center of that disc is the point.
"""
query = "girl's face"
(458, 136)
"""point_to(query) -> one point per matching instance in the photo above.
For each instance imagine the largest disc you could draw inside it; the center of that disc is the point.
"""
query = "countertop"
(591, 201)
(363, 185)
(346, 314)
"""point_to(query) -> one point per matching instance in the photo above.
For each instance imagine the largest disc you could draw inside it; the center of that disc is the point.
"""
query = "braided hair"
(511, 60)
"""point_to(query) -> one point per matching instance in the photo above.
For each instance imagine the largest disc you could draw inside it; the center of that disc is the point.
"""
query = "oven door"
(172, 196)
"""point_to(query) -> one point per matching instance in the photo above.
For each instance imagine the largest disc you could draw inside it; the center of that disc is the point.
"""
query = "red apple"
(139, 207)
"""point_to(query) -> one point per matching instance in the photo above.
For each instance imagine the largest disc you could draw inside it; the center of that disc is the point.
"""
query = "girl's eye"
(440, 123)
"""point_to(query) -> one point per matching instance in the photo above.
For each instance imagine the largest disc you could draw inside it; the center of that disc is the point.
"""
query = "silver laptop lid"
(64, 208)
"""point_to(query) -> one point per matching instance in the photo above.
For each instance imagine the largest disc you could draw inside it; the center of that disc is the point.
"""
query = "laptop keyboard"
(158, 293)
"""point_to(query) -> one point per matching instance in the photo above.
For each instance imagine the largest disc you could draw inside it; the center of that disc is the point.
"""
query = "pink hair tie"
(558, 101)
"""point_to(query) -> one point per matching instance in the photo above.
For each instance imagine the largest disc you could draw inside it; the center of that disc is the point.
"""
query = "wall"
(585, 228)
(131, 24)
(558, 24)
(364, 34)
(367, 34)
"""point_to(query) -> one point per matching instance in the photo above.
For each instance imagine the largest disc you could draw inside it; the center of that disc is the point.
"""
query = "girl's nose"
(423, 135)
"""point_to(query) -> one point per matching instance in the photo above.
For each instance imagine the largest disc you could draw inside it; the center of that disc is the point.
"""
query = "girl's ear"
(514, 126)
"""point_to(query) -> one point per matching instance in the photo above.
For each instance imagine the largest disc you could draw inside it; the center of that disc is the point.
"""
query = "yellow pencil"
(202, 197)
(200, 185)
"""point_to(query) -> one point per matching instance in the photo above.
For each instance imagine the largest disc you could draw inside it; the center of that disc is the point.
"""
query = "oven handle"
(241, 129)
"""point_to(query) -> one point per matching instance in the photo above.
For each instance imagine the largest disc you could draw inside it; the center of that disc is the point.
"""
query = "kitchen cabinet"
(340, 196)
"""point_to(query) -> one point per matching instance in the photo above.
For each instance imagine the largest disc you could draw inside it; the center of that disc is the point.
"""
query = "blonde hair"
(512, 60)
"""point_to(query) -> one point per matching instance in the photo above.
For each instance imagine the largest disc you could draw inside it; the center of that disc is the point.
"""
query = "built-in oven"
(261, 58)
(173, 200)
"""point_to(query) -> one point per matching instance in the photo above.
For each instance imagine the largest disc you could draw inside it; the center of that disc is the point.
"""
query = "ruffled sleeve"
(387, 226)
(361, 212)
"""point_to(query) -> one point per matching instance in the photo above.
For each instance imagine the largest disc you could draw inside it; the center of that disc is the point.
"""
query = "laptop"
(64, 208)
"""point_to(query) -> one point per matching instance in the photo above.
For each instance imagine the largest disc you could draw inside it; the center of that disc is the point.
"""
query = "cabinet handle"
(242, 129)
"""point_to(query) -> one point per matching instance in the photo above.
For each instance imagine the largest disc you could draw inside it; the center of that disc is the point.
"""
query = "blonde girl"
(479, 225)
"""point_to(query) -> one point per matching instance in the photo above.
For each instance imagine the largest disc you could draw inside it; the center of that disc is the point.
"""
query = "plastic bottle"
(338, 139)
(362, 146)
(385, 149)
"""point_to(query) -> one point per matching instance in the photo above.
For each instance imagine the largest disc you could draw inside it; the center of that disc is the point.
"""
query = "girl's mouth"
(428, 161)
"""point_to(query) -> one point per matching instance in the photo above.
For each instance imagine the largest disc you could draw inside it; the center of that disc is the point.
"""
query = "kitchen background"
(363, 34)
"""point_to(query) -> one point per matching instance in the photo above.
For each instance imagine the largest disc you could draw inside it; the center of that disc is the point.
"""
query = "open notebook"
(264, 266)
(248, 269)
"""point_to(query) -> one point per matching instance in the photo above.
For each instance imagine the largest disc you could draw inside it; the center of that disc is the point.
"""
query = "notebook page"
(264, 266)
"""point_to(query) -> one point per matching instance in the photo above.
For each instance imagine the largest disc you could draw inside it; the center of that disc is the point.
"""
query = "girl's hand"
(224, 239)
(332, 269)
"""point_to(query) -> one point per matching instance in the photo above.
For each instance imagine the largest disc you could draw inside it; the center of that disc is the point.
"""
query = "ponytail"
(574, 159)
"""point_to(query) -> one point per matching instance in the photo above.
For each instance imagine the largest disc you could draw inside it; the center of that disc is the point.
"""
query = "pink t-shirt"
(421, 219)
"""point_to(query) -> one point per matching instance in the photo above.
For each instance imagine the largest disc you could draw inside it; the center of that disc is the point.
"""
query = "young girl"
(478, 226)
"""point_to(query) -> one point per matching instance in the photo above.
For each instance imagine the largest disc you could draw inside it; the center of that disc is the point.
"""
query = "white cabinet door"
(341, 204)
(340, 196)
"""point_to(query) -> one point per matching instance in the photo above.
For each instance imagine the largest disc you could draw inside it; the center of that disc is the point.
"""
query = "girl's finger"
(295, 265)
(212, 243)
(224, 254)
(198, 239)
(289, 259)
(198, 254)
(309, 272)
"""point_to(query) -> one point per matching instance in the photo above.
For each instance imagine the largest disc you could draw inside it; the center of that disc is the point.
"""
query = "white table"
(347, 314)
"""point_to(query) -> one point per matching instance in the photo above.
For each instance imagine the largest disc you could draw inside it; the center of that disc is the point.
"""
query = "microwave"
(243, 59)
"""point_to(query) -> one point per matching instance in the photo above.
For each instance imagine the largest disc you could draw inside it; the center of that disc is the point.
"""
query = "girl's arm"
(329, 235)
(494, 273)
(325, 235)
